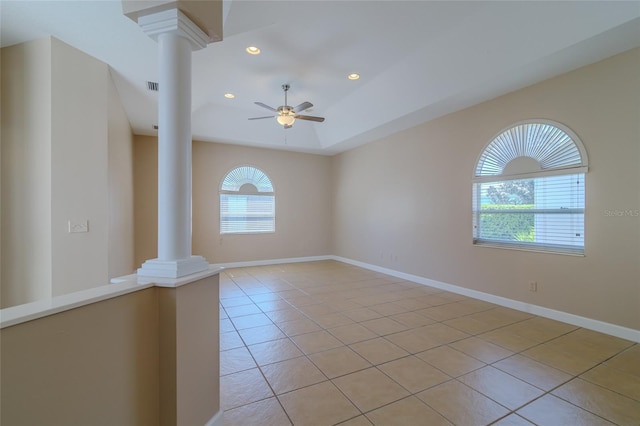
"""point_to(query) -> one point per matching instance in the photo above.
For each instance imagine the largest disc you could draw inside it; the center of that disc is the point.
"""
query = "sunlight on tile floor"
(326, 343)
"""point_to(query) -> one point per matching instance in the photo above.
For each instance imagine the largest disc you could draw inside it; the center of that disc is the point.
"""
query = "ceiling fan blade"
(310, 118)
(266, 106)
(260, 118)
(303, 106)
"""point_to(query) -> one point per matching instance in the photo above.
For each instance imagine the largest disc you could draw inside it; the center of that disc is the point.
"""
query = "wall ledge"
(15, 315)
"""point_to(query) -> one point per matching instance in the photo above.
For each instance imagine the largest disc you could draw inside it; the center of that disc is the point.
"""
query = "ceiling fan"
(287, 115)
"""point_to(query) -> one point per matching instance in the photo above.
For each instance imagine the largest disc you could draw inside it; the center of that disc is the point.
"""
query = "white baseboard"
(216, 420)
(591, 324)
(272, 261)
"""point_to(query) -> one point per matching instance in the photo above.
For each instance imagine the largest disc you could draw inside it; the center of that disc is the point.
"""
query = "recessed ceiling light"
(229, 95)
(353, 76)
(253, 50)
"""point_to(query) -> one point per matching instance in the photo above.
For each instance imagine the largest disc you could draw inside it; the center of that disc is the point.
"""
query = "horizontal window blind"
(540, 213)
(241, 213)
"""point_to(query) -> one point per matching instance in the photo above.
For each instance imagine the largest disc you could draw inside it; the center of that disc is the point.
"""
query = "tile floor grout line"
(317, 299)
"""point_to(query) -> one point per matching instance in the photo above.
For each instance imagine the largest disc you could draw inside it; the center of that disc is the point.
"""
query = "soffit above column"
(205, 14)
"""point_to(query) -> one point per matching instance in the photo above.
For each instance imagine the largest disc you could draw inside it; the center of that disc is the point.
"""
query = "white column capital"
(173, 21)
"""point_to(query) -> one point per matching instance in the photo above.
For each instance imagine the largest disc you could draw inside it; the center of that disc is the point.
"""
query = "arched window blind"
(529, 189)
(247, 202)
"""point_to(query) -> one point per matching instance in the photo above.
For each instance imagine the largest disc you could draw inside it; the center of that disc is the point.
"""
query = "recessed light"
(229, 95)
(253, 50)
(353, 76)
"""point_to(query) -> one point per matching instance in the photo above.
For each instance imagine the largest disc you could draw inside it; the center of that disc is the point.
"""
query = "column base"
(173, 268)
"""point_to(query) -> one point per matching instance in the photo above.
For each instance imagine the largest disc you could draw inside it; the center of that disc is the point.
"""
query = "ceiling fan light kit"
(287, 115)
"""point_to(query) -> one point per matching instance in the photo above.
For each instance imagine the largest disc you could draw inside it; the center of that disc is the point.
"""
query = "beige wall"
(79, 169)
(302, 185)
(87, 366)
(404, 202)
(66, 153)
(120, 187)
(26, 173)
(150, 357)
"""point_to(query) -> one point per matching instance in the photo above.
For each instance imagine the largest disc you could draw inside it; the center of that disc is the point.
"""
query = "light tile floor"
(326, 343)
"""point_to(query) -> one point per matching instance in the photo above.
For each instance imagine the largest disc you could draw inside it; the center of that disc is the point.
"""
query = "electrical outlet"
(533, 286)
(78, 226)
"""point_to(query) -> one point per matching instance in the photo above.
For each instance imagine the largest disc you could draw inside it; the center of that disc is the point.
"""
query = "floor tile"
(600, 401)
(540, 329)
(615, 380)
(248, 321)
(284, 315)
(442, 333)
(243, 388)
(267, 412)
(462, 405)
(627, 361)
(550, 410)
(242, 310)
(301, 300)
(384, 326)
(513, 420)
(407, 411)
(332, 320)
(378, 351)
(470, 325)
(501, 387)
(389, 308)
(338, 362)
(226, 325)
(413, 374)
(265, 297)
(352, 333)
(292, 374)
(318, 405)
(356, 421)
(273, 305)
(412, 342)
(274, 351)
(444, 357)
(574, 363)
(316, 341)
(450, 361)
(362, 314)
(481, 349)
(299, 326)
(261, 334)
(370, 389)
(589, 344)
(446, 312)
(230, 340)
(317, 309)
(411, 319)
(235, 360)
(235, 301)
(533, 372)
(508, 339)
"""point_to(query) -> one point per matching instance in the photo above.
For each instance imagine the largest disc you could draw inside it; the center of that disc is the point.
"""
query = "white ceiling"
(418, 59)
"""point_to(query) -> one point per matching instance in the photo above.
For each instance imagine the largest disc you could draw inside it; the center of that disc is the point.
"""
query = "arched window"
(247, 202)
(529, 190)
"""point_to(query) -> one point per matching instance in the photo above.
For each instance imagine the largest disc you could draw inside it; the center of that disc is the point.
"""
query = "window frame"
(247, 186)
(578, 167)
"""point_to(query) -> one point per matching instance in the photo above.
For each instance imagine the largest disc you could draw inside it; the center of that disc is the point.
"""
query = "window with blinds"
(529, 190)
(247, 202)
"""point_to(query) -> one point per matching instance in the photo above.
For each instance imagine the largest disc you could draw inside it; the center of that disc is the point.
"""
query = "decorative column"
(177, 37)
